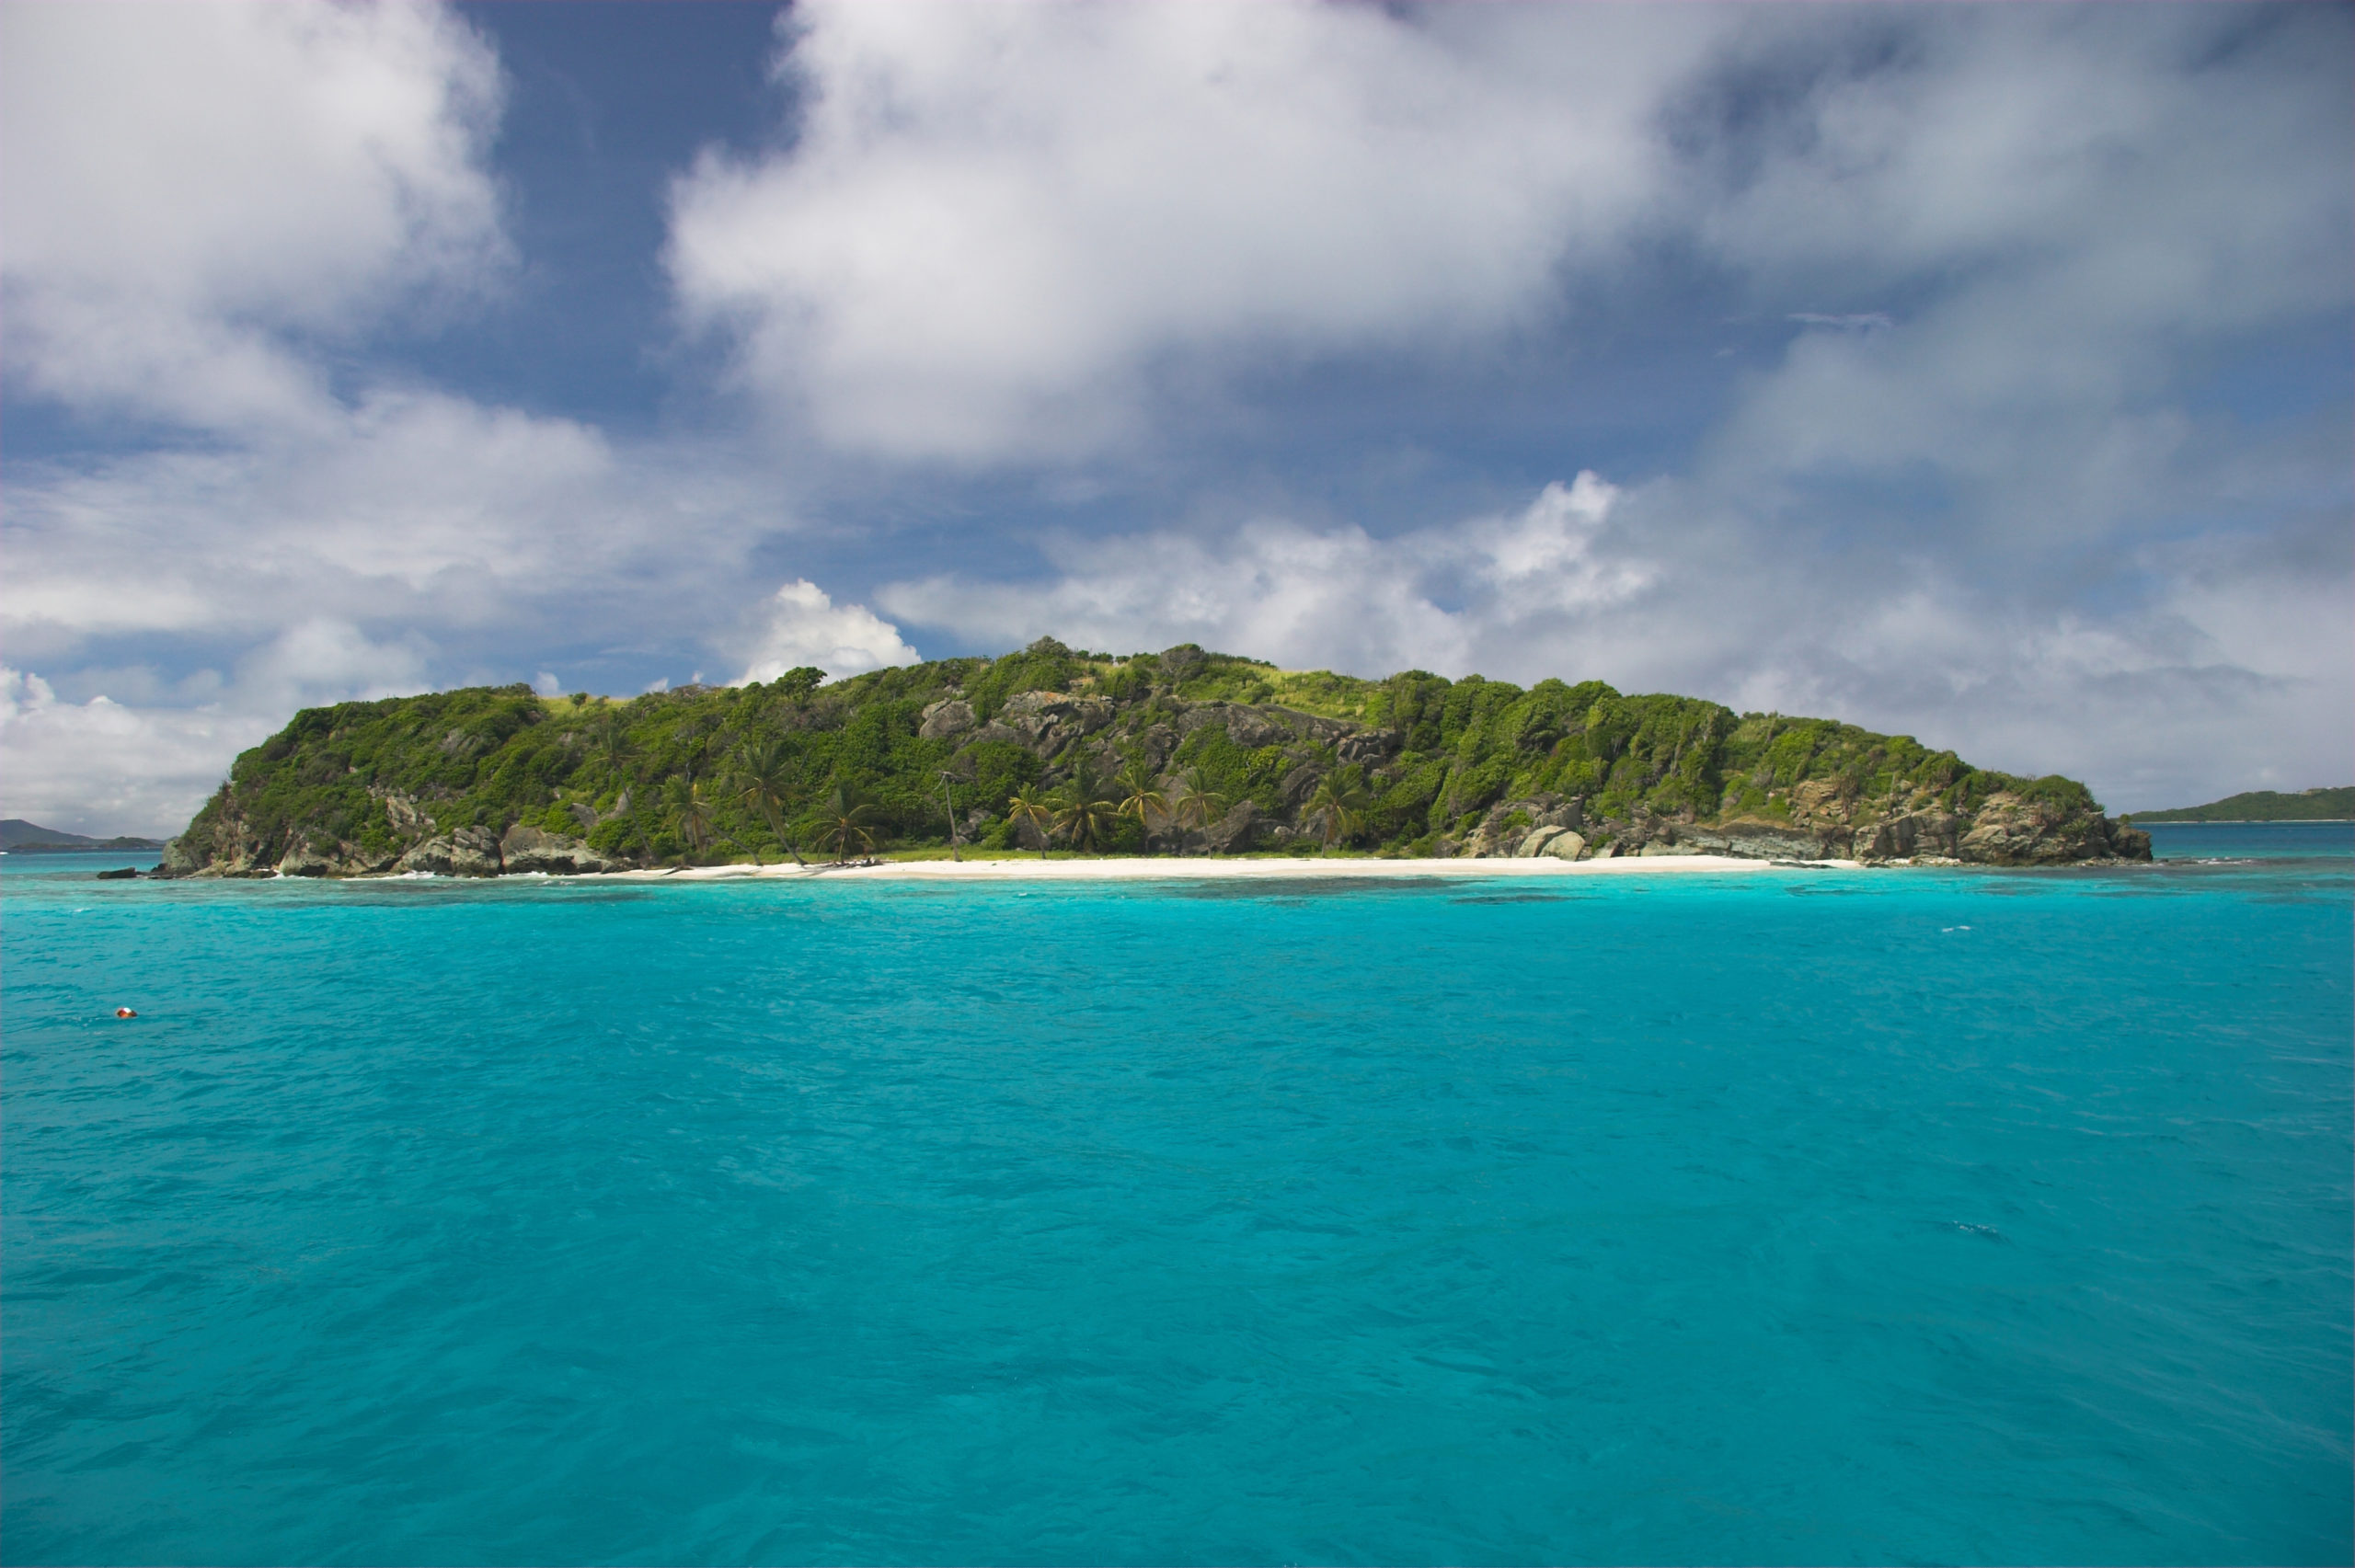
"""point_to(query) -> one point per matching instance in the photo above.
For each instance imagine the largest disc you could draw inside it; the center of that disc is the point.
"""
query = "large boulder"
(525, 849)
(1236, 829)
(1551, 843)
(469, 851)
(947, 718)
(1535, 841)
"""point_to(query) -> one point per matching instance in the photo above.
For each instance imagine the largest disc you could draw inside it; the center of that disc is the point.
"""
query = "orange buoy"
(124, 1012)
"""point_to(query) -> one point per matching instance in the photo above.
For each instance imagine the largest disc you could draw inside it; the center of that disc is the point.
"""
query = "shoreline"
(1172, 867)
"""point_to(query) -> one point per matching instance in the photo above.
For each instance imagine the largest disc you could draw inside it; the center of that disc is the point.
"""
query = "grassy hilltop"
(1182, 752)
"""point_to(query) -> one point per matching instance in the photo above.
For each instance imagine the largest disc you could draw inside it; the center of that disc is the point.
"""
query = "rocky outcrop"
(1510, 825)
(2009, 830)
(401, 809)
(1552, 844)
(1254, 726)
(1236, 829)
(524, 849)
(469, 851)
(1047, 722)
(344, 859)
(946, 719)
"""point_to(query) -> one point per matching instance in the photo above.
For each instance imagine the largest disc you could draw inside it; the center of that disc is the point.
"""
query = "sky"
(1985, 373)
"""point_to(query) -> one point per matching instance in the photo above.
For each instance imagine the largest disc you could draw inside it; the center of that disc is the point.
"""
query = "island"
(1183, 752)
(2265, 806)
(20, 837)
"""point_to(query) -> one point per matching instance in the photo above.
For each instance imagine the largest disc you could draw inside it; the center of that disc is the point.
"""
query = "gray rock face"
(1916, 833)
(1553, 842)
(469, 851)
(406, 815)
(525, 848)
(1757, 839)
(947, 718)
(1492, 839)
(2010, 830)
(1047, 722)
(1236, 829)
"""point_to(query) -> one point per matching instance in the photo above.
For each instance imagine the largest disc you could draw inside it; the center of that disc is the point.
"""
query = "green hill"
(20, 837)
(2265, 806)
(1217, 754)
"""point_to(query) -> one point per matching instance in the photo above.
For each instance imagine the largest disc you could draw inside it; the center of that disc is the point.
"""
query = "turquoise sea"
(1790, 1217)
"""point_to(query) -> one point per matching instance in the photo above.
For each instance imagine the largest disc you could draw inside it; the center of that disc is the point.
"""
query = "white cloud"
(413, 507)
(215, 181)
(803, 627)
(104, 766)
(2237, 676)
(1444, 599)
(997, 221)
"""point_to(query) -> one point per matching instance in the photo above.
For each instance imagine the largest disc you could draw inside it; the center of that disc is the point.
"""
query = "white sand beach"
(1122, 868)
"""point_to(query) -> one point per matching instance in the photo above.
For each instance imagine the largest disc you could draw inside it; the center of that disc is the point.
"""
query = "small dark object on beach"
(127, 871)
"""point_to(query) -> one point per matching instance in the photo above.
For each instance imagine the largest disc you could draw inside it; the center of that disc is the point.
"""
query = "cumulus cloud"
(215, 183)
(105, 766)
(2234, 675)
(802, 626)
(997, 220)
(1443, 598)
(416, 540)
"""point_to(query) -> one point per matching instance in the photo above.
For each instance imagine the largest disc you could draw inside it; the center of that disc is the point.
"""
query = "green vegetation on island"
(1180, 753)
(20, 837)
(2265, 806)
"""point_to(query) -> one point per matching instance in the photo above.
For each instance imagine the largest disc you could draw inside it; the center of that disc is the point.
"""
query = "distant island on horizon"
(2262, 805)
(1181, 752)
(20, 837)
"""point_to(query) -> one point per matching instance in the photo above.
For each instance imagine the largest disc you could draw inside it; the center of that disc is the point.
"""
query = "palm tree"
(1193, 804)
(692, 812)
(765, 777)
(1089, 809)
(1338, 806)
(1140, 797)
(846, 815)
(1026, 804)
(609, 737)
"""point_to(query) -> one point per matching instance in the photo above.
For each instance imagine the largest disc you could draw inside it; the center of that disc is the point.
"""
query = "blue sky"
(1982, 374)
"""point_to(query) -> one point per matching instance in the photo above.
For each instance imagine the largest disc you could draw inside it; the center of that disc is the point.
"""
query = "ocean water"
(1817, 1217)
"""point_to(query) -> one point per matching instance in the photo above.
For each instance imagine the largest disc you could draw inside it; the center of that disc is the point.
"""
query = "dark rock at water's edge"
(1215, 754)
(124, 874)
